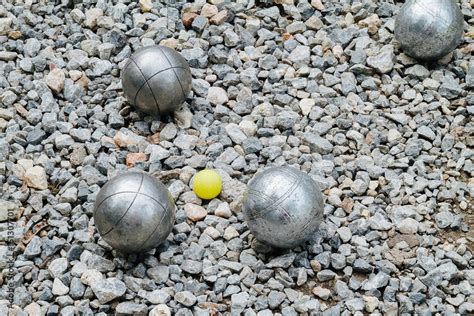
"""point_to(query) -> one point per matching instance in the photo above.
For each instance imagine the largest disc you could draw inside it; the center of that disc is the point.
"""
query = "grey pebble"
(319, 85)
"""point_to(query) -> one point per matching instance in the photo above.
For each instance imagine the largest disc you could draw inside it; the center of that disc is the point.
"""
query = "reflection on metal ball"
(134, 212)
(429, 29)
(156, 80)
(283, 207)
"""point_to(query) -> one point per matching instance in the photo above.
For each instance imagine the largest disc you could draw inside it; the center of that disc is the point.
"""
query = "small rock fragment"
(35, 177)
(195, 212)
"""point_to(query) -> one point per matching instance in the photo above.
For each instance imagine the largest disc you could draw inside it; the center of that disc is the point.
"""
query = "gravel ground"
(318, 85)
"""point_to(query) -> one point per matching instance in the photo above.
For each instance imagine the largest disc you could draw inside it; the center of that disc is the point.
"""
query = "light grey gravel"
(186, 298)
(322, 86)
(108, 289)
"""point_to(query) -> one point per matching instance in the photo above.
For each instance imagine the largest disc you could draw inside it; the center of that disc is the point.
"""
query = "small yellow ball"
(207, 184)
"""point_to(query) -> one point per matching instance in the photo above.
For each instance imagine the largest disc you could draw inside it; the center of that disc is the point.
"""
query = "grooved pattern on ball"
(174, 60)
(429, 29)
(145, 83)
(134, 212)
(185, 80)
(276, 204)
(272, 209)
(133, 79)
(283, 207)
(115, 217)
(116, 186)
(160, 232)
(173, 65)
(149, 60)
(265, 203)
(162, 82)
(126, 230)
(167, 91)
(113, 212)
(145, 99)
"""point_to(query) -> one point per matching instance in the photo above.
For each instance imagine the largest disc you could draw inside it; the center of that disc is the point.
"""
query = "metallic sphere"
(156, 80)
(134, 212)
(429, 29)
(283, 207)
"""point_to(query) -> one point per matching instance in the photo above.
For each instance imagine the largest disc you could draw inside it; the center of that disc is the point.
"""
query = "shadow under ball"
(429, 29)
(283, 207)
(156, 80)
(134, 212)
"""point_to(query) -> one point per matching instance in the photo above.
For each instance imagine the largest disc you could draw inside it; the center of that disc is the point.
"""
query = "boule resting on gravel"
(386, 138)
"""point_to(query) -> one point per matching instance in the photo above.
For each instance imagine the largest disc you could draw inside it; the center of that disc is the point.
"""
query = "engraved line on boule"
(177, 77)
(301, 204)
(433, 14)
(139, 193)
(128, 64)
(123, 215)
(123, 77)
(287, 218)
(290, 172)
(111, 182)
(253, 215)
(286, 194)
(159, 71)
(156, 227)
(418, 19)
(305, 226)
(267, 210)
(146, 82)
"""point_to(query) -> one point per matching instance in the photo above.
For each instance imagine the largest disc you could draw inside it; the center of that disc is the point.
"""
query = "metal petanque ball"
(134, 212)
(429, 29)
(283, 207)
(156, 80)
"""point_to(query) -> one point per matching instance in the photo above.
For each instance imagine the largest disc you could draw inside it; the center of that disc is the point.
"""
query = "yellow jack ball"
(207, 184)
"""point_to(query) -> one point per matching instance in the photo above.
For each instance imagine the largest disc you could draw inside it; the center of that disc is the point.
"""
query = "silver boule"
(156, 80)
(134, 212)
(283, 207)
(429, 29)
